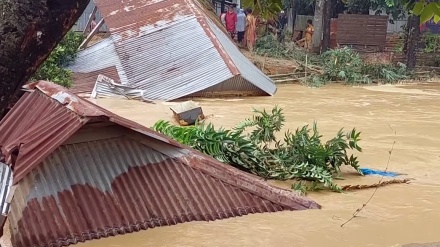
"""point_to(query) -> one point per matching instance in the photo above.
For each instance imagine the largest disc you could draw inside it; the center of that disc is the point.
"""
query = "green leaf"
(418, 8)
(428, 12)
(436, 18)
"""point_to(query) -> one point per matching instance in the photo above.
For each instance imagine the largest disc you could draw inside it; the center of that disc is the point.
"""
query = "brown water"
(397, 215)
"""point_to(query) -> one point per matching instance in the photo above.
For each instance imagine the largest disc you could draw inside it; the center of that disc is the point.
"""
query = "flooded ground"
(397, 215)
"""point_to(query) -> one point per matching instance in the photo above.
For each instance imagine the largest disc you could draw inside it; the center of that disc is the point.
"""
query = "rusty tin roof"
(86, 173)
(85, 82)
(171, 49)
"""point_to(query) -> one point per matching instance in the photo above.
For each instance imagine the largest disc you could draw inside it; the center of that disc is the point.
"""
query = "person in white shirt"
(240, 26)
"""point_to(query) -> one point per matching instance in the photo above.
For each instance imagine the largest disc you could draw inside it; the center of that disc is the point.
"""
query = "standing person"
(222, 18)
(231, 21)
(309, 35)
(241, 25)
(250, 32)
(281, 23)
(93, 23)
(236, 10)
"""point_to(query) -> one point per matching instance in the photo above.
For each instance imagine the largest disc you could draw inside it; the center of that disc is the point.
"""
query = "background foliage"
(53, 68)
(338, 65)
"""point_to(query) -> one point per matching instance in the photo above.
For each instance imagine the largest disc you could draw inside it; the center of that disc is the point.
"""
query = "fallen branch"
(311, 68)
(283, 75)
(290, 80)
(380, 184)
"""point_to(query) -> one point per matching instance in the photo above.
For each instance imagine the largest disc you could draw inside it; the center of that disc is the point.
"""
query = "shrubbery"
(53, 68)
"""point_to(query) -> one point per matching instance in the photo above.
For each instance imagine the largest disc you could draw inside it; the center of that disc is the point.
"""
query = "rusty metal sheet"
(97, 179)
(34, 127)
(175, 50)
(114, 186)
(85, 82)
(59, 114)
(43, 119)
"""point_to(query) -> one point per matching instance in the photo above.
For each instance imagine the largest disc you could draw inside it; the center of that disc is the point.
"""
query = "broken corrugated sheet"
(6, 191)
(173, 52)
(6, 175)
(101, 175)
(106, 87)
(85, 82)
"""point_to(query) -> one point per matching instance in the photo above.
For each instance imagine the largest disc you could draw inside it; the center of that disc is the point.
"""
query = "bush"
(346, 65)
(431, 42)
(342, 64)
(302, 155)
(53, 68)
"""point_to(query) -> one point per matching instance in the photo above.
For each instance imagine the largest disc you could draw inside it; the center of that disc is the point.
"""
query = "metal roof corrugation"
(45, 118)
(128, 19)
(34, 127)
(6, 176)
(85, 82)
(236, 86)
(174, 62)
(98, 57)
(103, 89)
(175, 50)
(247, 69)
(114, 186)
(126, 179)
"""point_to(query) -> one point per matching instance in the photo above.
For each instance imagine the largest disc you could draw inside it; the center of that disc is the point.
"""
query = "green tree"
(267, 9)
(53, 68)
(426, 9)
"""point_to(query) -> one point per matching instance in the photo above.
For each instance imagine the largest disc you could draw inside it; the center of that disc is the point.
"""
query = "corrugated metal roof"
(97, 57)
(173, 51)
(115, 186)
(37, 125)
(106, 87)
(101, 175)
(244, 65)
(85, 82)
(6, 176)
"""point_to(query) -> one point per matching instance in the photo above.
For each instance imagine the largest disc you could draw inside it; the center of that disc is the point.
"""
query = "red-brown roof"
(85, 82)
(80, 188)
(44, 119)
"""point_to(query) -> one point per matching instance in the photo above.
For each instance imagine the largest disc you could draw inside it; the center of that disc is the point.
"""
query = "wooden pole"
(91, 34)
(95, 9)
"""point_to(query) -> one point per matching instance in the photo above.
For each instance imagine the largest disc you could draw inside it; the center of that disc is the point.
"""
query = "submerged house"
(81, 173)
(168, 49)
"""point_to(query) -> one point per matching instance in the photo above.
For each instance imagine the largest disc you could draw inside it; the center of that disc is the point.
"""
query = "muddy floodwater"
(397, 215)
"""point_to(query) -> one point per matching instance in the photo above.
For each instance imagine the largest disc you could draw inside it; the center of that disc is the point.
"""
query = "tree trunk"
(412, 41)
(317, 23)
(326, 26)
(294, 14)
(30, 30)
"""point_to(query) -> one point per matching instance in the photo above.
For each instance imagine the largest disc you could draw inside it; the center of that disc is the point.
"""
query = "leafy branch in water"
(252, 146)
